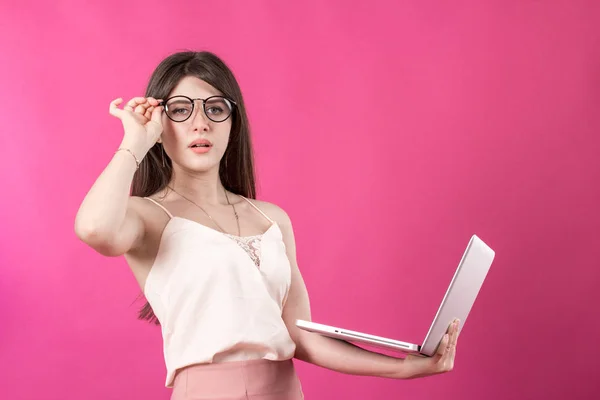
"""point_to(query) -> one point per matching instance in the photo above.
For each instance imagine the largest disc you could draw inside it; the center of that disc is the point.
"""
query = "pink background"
(413, 125)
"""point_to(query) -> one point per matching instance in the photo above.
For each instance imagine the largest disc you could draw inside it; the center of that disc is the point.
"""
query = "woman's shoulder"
(150, 208)
(142, 203)
(273, 211)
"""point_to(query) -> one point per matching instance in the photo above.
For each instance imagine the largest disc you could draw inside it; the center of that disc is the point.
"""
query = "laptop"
(457, 302)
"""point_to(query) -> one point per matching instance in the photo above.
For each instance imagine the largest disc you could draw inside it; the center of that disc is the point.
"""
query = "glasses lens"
(179, 108)
(218, 109)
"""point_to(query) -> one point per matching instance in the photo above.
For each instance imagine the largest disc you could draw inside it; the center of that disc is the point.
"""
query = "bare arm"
(108, 219)
(342, 356)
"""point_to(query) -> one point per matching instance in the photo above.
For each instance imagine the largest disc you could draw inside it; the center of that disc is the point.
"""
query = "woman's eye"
(214, 110)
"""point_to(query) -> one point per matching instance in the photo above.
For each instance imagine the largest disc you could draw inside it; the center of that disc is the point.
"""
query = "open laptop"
(457, 303)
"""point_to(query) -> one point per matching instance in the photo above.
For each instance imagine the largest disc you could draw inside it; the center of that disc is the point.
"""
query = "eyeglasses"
(216, 108)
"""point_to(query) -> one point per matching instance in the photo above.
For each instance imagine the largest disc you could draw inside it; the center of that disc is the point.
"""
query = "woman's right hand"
(141, 118)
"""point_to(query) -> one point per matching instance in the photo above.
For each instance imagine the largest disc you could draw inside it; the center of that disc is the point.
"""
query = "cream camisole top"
(219, 297)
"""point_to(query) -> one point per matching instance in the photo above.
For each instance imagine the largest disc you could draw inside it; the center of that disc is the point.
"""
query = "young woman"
(217, 267)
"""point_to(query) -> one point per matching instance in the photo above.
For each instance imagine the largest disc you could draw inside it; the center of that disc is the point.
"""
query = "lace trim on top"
(250, 244)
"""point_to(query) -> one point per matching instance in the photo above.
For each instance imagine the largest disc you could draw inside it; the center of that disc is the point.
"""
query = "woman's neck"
(201, 188)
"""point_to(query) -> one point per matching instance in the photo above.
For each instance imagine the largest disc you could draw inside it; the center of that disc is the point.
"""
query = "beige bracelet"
(137, 163)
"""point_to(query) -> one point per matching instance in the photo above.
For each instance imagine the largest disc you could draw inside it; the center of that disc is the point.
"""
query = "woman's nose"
(199, 120)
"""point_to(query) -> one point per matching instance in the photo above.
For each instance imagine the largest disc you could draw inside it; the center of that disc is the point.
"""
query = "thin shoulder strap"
(258, 209)
(160, 205)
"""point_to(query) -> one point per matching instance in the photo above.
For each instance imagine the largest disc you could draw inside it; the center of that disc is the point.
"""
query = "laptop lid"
(461, 293)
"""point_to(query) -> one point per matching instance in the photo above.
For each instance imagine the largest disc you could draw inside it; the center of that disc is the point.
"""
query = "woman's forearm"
(347, 358)
(103, 209)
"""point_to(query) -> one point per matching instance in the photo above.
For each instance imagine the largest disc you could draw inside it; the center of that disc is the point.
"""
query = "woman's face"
(198, 143)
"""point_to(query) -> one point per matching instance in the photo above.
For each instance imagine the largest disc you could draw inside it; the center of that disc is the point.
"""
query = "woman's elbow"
(101, 241)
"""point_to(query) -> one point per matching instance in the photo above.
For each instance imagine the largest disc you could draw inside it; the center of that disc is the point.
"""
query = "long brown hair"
(236, 169)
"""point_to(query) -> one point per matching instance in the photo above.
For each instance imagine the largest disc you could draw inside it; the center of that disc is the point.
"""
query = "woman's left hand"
(442, 361)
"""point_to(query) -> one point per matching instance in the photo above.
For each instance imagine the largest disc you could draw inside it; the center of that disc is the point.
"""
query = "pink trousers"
(256, 379)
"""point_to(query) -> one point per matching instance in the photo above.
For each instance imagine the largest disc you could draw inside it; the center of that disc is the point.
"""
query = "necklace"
(237, 218)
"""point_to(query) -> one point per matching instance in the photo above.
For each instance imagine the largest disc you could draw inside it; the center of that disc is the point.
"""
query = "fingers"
(446, 363)
(114, 109)
(449, 338)
(148, 105)
(454, 337)
(139, 105)
(156, 114)
(133, 103)
(154, 102)
(148, 113)
(441, 350)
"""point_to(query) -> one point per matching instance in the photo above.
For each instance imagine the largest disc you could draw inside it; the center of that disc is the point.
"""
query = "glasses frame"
(193, 101)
